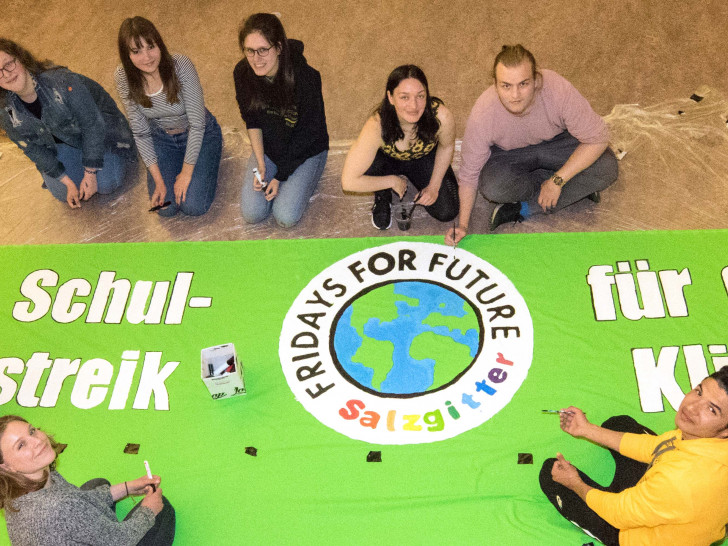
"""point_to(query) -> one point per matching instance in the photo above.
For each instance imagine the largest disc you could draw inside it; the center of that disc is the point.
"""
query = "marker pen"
(149, 475)
(260, 179)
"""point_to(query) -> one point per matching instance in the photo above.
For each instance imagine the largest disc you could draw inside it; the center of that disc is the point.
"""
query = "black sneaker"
(504, 213)
(596, 197)
(382, 210)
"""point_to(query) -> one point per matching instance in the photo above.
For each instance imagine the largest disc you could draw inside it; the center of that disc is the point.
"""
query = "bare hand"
(89, 185)
(454, 235)
(272, 190)
(153, 500)
(181, 183)
(157, 198)
(565, 473)
(72, 196)
(400, 185)
(143, 485)
(428, 196)
(549, 195)
(574, 422)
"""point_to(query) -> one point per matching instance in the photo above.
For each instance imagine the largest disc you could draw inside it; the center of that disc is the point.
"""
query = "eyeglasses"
(261, 51)
(7, 68)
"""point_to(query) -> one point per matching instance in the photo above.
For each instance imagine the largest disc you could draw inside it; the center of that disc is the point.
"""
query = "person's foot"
(596, 197)
(382, 211)
(504, 213)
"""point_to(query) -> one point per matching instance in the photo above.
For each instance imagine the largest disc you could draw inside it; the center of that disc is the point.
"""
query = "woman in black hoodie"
(280, 100)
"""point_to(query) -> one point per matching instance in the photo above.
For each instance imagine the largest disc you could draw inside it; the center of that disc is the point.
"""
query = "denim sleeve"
(44, 157)
(89, 118)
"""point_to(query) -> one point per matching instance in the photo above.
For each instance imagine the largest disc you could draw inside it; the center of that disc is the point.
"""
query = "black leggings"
(626, 474)
(419, 171)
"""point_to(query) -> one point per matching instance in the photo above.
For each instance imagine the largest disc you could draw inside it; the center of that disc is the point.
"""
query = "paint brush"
(557, 411)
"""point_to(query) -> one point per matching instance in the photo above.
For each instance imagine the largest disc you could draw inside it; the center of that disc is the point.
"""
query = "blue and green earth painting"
(406, 338)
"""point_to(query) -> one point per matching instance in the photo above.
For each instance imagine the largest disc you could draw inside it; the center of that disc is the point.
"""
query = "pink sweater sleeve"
(566, 107)
(475, 149)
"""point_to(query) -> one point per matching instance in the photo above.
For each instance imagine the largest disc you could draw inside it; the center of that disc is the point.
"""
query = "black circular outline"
(347, 377)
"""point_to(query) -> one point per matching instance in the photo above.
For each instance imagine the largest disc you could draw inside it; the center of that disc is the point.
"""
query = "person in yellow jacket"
(667, 489)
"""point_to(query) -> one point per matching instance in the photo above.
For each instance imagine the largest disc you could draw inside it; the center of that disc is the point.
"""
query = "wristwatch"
(558, 180)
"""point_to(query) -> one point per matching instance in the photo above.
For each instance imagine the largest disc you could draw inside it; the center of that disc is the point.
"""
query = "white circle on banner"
(406, 343)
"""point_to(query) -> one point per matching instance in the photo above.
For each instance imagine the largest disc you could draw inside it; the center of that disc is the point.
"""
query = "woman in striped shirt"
(178, 138)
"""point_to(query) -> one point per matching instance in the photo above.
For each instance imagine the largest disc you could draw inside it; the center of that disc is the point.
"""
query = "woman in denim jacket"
(65, 123)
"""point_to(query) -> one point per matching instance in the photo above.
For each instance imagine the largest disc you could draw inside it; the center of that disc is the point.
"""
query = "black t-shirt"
(36, 108)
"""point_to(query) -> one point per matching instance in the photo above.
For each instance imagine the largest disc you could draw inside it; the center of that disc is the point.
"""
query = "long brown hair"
(279, 94)
(12, 484)
(136, 29)
(25, 58)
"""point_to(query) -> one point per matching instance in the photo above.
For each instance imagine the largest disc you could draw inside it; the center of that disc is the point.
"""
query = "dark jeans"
(170, 150)
(161, 533)
(517, 175)
(419, 171)
(626, 474)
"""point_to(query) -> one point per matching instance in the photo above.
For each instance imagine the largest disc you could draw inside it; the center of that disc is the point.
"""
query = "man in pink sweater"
(532, 143)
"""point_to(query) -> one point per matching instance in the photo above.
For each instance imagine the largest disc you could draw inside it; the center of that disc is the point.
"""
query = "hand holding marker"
(262, 182)
(149, 475)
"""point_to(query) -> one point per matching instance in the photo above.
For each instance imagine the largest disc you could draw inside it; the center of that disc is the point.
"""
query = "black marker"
(163, 205)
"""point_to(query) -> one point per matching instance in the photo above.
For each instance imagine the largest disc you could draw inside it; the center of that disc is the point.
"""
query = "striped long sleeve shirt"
(188, 113)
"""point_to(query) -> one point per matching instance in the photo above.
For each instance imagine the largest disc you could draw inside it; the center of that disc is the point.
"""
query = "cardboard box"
(220, 382)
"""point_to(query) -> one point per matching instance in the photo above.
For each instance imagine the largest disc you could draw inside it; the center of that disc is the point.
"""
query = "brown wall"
(627, 51)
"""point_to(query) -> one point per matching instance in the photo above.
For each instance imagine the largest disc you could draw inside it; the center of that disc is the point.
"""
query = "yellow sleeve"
(640, 446)
(654, 501)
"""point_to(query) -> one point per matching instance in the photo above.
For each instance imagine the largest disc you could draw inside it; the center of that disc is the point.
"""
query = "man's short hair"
(514, 55)
(721, 376)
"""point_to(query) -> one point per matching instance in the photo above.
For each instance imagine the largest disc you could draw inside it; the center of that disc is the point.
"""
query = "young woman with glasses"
(282, 105)
(66, 124)
(409, 137)
(178, 138)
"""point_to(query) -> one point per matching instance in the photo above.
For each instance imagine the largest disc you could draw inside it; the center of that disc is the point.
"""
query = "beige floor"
(646, 53)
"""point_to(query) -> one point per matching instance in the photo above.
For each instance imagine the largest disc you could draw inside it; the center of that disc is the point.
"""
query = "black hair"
(721, 376)
(427, 126)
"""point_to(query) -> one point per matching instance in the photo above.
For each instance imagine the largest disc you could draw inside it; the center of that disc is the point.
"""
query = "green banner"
(355, 442)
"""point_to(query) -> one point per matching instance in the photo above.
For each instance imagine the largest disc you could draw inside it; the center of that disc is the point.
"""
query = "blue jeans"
(293, 194)
(109, 179)
(517, 175)
(170, 150)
